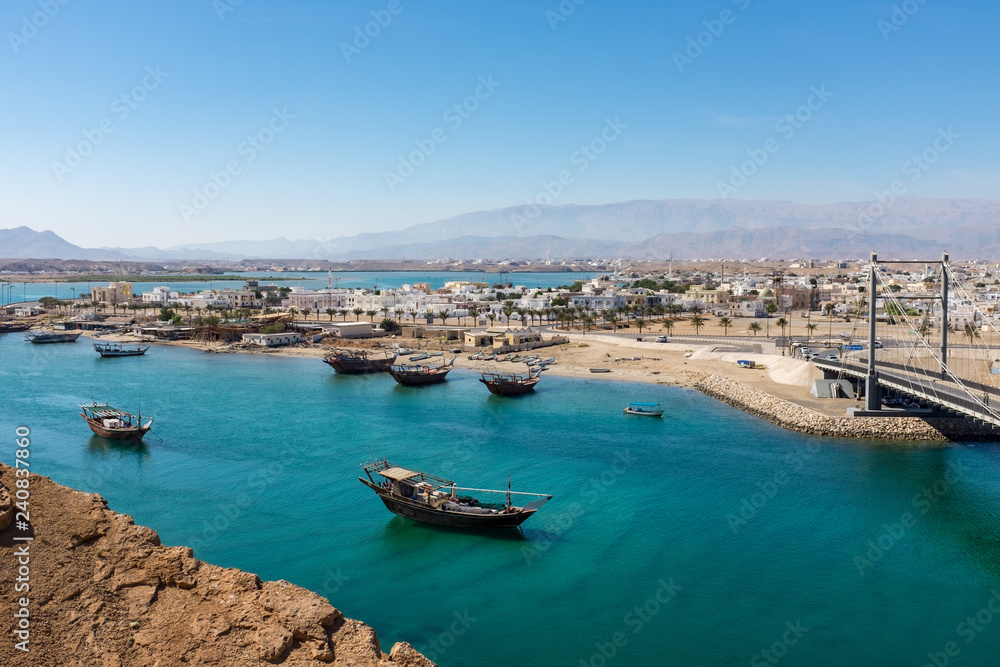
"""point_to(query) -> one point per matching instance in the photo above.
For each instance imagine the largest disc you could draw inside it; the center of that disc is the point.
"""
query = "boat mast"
(508, 490)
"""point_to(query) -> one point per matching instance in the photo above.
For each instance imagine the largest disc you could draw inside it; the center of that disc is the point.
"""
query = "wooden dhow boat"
(40, 337)
(509, 384)
(414, 375)
(120, 350)
(430, 499)
(358, 363)
(109, 422)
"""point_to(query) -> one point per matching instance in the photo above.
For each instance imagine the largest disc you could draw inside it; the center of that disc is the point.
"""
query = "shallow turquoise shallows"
(707, 537)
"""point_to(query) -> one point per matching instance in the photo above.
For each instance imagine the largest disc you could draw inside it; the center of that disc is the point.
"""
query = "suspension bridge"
(903, 359)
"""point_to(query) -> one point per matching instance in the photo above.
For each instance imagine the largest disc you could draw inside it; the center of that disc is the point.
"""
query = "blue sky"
(330, 126)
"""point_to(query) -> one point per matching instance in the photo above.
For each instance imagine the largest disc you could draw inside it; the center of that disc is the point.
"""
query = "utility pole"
(944, 312)
(873, 401)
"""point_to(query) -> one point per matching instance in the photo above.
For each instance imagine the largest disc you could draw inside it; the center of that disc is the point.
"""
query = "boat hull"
(45, 338)
(641, 413)
(509, 388)
(418, 379)
(408, 510)
(135, 433)
(349, 366)
(138, 352)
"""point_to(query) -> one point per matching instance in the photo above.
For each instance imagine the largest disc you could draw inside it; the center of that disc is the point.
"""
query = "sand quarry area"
(675, 364)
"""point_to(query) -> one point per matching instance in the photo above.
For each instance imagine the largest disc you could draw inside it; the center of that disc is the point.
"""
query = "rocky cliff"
(104, 592)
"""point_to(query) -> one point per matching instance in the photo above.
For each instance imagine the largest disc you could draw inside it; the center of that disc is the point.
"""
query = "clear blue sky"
(324, 173)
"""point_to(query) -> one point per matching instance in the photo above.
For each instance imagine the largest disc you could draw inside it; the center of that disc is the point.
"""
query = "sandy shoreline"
(678, 365)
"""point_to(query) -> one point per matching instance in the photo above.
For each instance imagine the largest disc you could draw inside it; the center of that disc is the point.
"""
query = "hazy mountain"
(686, 228)
(24, 243)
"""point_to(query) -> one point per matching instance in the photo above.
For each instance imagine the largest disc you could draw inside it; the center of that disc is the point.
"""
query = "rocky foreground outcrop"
(797, 418)
(105, 593)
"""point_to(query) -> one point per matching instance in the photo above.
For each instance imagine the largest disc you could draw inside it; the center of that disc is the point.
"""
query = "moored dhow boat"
(431, 499)
(119, 350)
(509, 384)
(109, 422)
(357, 363)
(412, 375)
(11, 327)
(40, 337)
(644, 409)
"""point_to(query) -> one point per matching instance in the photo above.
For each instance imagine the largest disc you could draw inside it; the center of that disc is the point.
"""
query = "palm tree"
(668, 325)
(725, 323)
(413, 315)
(588, 320)
(343, 314)
(782, 322)
(291, 311)
(811, 327)
(399, 314)
(640, 322)
(443, 314)
(971, 332)
(613, 321)
(305, 313)
(331, 312)
(385, 311)
(754, 327)
(697, 321)
(358, 312)
(371, 314)
(491, 316)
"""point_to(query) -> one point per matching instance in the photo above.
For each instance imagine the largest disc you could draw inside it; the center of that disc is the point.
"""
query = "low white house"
(350, 329)
(275, 339)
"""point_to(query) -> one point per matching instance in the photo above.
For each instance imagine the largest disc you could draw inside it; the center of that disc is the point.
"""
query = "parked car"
(661, 339)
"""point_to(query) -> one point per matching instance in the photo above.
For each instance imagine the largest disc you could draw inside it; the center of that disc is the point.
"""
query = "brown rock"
(112, 594)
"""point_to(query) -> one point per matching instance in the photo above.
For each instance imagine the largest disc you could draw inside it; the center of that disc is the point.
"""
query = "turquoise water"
(309, 280)
(256, 465)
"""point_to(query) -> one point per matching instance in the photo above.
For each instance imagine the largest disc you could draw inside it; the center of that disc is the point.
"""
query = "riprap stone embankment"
(798, 418)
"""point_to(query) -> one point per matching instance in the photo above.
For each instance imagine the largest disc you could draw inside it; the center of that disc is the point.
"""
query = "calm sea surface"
(309, 280)
(846, 553)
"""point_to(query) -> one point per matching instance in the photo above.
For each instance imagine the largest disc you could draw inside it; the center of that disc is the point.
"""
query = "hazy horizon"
(270, 121)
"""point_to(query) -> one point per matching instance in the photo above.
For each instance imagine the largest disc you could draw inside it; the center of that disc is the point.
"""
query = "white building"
(161, 295)
(275, 339)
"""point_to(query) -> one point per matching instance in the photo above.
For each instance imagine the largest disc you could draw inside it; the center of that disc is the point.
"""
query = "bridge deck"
(933, 387)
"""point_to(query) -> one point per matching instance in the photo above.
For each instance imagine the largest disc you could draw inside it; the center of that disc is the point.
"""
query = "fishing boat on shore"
(120, 350)
(358, 363)
(109, 422)
(431, 499)
(41, 337)
(11, 327)
(509, 384)
(644, 409)
(419, 357)
(413, 376)
(600, 370)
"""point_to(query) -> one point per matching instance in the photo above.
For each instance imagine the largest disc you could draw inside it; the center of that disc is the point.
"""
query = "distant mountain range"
(683, 228)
